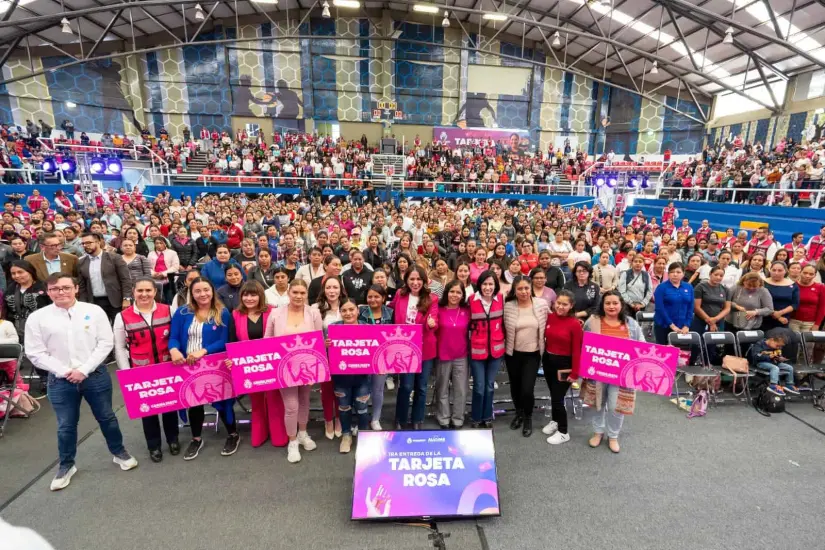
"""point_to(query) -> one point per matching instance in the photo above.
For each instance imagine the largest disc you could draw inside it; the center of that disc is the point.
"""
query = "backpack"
(645, 279)
(700, 405)
(769, 402)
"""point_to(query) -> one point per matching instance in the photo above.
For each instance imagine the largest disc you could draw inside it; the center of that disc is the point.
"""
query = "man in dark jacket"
(104, 277)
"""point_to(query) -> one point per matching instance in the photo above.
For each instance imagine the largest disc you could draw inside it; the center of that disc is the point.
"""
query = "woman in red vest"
(249, 323)
(141, 339)
(486, 346)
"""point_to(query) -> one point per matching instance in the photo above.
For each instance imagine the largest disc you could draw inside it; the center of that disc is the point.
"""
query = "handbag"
(24, 403)
(587, 392)
(736, 365)
(626, 401)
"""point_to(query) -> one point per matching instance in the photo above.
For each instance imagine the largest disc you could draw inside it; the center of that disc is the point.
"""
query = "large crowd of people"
(175, 278)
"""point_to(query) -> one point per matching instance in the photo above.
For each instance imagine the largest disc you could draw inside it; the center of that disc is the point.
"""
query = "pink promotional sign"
(638, 365)
(166, 387)
(375, 349)
(280, 362)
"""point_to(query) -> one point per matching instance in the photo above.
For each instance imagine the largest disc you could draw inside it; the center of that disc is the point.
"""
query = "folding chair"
(687, 342)
(11, 351)
(726, 339)
(749, 337)
(645, 320)
(809, 372)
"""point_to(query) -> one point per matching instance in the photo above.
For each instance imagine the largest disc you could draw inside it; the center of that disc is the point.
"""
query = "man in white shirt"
(71, 340)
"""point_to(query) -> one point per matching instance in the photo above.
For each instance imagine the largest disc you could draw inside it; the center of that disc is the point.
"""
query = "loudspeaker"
(389, 146)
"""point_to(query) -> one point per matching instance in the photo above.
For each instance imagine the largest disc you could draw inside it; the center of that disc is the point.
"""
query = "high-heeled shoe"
(339, 431)
(329, 432)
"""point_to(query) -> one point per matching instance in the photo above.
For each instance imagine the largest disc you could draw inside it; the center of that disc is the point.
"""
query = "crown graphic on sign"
(651, 354)
(398, 334)
(300, 344)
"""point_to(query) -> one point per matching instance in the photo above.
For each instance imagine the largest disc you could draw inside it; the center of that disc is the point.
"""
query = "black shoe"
(156, 455)
(174, 448)
(517, 421)
(231, 445)
(475, 425)
(193, 449)
(488, 424)
(443, 426)
(527, 430)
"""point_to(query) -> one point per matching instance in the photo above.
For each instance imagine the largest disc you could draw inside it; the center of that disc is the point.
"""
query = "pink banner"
(168, 387)
(375, 349)
(280, 362)
(645, 367)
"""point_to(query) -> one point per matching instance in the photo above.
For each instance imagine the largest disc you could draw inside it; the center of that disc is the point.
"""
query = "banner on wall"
(425, 474)
(279, 362)
(513, 140)
(375, 349)
(167, 387)
(650, 368)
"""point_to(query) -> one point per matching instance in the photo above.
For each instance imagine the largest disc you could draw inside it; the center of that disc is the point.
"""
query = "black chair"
(809, 372)
(8, 352)
(728, 340)
(644, 317)
(688, 342)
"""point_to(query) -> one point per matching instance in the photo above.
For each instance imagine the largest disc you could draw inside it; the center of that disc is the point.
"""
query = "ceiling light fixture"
(728, 36)
(346, 3)
(446, 21)
(425, 8)
(65, 27)
(325, 10)
(199, 13)
(265, 1)
(556, 39)
(654, 69)
(495, 16)
(71, 104)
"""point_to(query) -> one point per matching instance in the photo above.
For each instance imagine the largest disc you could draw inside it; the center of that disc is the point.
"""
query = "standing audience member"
(51, 260)
(563, 343)
(104, 278)
(674, 305)
(73, 352)
(453, 350)
(487, 346)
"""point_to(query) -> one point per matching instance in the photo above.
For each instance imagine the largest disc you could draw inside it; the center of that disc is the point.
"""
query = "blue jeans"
(66, 397)
(353, 392)
(786, 369)
(484, 375)
(408, 383)
(607, 416)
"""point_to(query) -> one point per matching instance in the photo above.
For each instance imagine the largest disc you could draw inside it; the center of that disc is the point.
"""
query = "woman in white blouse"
(278, 294)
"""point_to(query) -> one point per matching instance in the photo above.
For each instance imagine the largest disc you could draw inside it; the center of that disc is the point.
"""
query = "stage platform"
(732, 480)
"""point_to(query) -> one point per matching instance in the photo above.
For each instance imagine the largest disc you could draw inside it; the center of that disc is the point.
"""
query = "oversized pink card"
(279, 362)
(645, 367)
(165, 387)
(375, 349)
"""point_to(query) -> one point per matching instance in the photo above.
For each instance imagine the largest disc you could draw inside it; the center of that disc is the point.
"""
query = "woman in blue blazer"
(201, 328)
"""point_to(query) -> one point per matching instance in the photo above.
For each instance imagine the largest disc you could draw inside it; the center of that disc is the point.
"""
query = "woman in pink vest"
(414, 305)
(249, 322)
(295, 318)
(141, 339)
(486, 346)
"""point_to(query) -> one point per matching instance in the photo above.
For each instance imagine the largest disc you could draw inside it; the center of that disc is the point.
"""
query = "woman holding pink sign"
(249, 322)
(376, 313)
(296, 318)
(201, 328)
(413, 305)
(611, 403)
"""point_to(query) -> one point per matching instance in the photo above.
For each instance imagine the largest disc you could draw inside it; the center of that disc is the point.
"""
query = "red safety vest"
(487, 336)
(148, 345)
(762, 247)
(815, 248)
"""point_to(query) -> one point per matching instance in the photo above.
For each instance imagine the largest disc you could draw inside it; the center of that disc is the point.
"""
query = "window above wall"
(733, 104)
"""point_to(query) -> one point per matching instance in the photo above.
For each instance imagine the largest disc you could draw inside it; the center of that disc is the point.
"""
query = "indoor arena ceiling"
(702, 47)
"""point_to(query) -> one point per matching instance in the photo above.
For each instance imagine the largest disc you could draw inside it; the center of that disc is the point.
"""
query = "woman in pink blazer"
(414, 305)
(249, 322)
(296, 318)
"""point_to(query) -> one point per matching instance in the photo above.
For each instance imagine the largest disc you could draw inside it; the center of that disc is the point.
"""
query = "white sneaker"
(375, 426)
(354, 431)
(293, 452)
(390, 383)
(306, 442)
(495, 385)
(551, 428)
(558, 438)
(125, 461)
(62, 478)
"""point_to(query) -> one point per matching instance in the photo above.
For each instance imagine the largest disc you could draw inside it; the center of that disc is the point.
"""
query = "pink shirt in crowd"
(453, 330)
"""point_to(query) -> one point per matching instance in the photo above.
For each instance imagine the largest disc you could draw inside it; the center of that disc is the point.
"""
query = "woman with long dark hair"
(200, 328)
(563, 342)
(376, 313)
(328, 306)
(487, 346)
(453, 350)
(414, 305)
(525, 318)
(611, 402)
